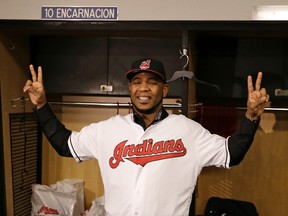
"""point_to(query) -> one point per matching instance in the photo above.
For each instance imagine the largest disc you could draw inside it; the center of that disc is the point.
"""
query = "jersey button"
(136, 213)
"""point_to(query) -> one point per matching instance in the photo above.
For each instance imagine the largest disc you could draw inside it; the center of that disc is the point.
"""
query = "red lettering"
(158, 147)
(169, 145)
(141, 148)
(179, 145)
(114, 161)
(129, 150)
(149, 147)
(46, 210)
(147, 152)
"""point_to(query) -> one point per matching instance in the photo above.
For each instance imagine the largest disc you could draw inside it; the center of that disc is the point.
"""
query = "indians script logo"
(44, 210)
(145, 65)
(147, 152)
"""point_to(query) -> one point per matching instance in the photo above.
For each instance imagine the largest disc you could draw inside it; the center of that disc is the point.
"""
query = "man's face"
(147, 92)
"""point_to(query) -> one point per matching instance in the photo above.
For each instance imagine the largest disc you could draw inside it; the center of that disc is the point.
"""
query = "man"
(149, 160)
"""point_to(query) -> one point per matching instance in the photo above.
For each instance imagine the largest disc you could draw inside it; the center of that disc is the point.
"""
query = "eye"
(153, 81)
(136, 81)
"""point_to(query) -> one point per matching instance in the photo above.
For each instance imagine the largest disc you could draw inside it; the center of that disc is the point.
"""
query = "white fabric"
(150, 172)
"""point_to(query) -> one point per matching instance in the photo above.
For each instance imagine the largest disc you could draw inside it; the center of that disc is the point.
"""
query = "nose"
(144, 86)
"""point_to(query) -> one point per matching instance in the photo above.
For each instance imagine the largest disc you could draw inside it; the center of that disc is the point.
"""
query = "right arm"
(52, 128)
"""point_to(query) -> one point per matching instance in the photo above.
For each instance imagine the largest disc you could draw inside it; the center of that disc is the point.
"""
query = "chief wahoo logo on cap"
(145, 64)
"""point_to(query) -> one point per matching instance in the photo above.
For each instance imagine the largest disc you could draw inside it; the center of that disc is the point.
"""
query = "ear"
(129, 86)
(165, 89)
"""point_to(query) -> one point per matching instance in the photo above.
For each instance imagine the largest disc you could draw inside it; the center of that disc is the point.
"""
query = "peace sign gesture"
(257, 98)
(35, 88)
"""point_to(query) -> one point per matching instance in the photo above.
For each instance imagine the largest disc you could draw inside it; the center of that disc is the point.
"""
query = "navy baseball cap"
(147, 65)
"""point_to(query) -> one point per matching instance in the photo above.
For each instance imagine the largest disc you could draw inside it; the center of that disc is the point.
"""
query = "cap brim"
(133, 72)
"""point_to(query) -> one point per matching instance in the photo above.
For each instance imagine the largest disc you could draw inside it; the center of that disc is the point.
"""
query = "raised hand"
(35, 88)
(257, 98)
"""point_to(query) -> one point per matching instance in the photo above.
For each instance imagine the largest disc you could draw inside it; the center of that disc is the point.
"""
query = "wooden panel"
(227, 61)
(72, 65)
(14, 54)
(259, 54)
(125, 50)
(2, 172)
(25, 148)
(262, 176)
(80, 65)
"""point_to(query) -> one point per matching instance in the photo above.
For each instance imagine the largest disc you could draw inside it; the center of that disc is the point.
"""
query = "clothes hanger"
(189, 74)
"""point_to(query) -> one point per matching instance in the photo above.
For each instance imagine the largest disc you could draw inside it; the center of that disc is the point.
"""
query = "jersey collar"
(139, 120)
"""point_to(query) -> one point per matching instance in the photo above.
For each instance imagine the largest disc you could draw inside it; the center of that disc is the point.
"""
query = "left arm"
(241, 140)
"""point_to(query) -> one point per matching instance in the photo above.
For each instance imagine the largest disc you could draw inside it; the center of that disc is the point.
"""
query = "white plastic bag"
(65, 198)
(97, 208)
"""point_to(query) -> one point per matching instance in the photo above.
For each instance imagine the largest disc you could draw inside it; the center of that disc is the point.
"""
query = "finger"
(258, 81)
(263, 91)
(40, 76)
(33, 73)
(267, 98)
(254, 99)
(250, 84)
(28, 83)
(27, 86)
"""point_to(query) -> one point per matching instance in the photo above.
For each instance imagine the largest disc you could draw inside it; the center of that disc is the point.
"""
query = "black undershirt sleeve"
(240, 142)
(54, 130)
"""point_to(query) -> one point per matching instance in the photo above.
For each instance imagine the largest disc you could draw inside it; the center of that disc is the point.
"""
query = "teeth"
(143, 98)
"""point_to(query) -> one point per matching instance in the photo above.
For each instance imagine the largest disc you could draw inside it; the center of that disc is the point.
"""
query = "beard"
(147, 111)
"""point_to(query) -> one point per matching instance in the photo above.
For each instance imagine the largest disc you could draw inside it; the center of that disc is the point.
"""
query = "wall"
(14, 55)
(137, 10)
(261, 178)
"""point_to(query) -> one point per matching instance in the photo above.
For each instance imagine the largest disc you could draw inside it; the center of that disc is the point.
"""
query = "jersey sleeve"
(215, 150)
(212, 149)
(83, 144)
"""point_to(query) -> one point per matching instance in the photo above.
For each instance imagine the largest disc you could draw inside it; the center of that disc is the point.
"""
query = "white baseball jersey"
(152, 172)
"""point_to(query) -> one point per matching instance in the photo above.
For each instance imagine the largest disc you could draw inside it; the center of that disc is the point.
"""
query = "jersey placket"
(140, 186)
(138, 194)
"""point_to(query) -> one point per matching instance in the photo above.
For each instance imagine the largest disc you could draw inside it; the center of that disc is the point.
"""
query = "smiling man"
(147, 88)
(149, 159)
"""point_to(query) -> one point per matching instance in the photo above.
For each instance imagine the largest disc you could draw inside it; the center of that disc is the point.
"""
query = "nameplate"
(79, 13)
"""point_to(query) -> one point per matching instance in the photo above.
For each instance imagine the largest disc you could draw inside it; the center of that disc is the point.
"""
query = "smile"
(143, 99)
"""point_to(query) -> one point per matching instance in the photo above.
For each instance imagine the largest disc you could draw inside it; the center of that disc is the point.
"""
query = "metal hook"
(22, 101)
(184, 53)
